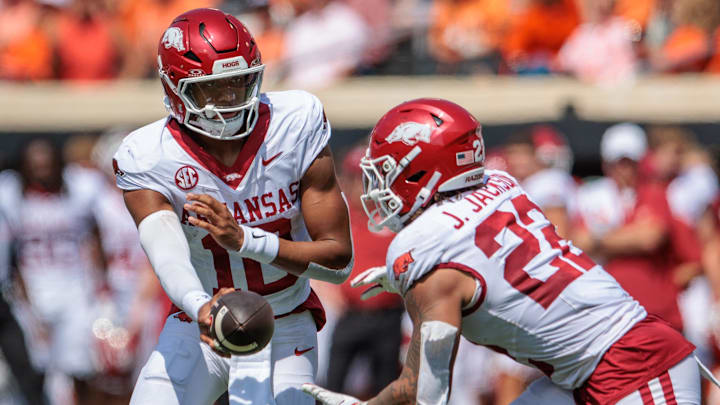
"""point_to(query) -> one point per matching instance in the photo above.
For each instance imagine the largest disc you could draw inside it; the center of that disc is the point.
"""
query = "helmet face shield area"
(224, 92)
(222, 105)
(381, 205)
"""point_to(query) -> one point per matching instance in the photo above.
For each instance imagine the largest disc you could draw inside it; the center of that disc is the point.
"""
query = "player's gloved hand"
(327, 397)
(205, 322)
(216, 219)
(377, 278)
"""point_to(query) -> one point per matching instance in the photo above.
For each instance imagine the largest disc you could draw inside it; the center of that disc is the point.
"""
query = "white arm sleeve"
(164, 242)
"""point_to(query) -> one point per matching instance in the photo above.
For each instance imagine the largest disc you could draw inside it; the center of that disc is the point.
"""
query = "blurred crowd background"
(81, 308)
(601, 41)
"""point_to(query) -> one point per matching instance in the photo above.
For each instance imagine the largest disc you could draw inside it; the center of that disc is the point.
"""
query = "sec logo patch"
(186, 178)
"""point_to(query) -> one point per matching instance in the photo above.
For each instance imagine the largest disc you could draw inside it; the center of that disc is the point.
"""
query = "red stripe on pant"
(667, 388)
(646, 395)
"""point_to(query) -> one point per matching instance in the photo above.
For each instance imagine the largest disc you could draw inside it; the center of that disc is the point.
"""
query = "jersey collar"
(233, 175)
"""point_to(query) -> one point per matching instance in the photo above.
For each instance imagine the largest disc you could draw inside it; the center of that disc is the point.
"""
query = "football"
(242, 322)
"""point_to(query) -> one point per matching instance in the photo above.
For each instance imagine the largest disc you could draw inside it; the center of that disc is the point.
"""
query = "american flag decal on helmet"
(464, 158)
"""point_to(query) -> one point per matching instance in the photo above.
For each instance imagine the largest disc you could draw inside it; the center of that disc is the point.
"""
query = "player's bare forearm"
(326, 217)
(294, 257)
(642, 236)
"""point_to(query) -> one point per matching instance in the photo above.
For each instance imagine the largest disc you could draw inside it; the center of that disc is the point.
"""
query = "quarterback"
(236, 189)
(475, 256)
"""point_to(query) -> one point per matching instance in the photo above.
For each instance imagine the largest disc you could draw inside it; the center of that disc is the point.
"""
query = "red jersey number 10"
(542, 292)
(253, 271)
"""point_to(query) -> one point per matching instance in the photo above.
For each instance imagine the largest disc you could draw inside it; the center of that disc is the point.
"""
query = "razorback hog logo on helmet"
(401, 264)
(173, 38)
(410, 133)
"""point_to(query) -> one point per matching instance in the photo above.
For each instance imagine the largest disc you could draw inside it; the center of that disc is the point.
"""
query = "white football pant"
(184, 371)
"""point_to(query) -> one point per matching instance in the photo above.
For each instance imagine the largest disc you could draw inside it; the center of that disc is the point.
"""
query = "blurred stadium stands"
(88, 67)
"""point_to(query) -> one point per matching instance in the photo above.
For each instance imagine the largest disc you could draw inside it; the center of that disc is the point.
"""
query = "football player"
(235, 189)
(474, 256)
(50, 209)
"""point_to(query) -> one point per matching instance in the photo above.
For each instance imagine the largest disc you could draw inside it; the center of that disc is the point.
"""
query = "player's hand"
(216, 219)
(327, 397)
(376, 277)
(205, 322)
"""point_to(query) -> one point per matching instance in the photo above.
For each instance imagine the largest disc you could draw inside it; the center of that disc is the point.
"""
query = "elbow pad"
(163, 240)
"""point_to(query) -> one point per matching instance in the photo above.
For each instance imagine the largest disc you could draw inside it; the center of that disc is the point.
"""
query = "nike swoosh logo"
(301, 352)
(266, 162)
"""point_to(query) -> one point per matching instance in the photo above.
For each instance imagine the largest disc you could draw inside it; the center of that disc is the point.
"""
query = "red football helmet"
(419, 148)
(211, 72)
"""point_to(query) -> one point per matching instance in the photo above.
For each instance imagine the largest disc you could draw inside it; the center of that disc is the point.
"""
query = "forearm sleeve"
(164, 242)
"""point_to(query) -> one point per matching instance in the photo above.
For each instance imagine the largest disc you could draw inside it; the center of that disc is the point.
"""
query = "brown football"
(242, 322)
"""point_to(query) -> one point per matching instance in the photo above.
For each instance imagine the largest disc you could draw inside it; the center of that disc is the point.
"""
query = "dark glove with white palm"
(377, 278)
(327, 397)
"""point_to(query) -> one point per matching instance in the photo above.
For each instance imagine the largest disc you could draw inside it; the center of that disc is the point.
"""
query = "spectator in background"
(377, 15)
(142, 22)
(325, 42)
(538, 33)
(601, 49)
(636, 12)
(690, 195)
(86, 42)
(467, 32)
(26, 51)
(371, 328)
(628, 225)
(689, 45)
(257, 16)
(540, 159)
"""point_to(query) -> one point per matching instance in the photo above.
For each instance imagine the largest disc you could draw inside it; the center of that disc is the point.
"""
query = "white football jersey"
(541, 300)
(602, 206)
(261, 189)
(50, 233)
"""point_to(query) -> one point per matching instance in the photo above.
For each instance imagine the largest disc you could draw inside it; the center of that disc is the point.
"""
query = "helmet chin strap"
(221, 126)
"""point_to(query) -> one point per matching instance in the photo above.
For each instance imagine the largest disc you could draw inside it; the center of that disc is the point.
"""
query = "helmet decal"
(410, 133)
(173, 38)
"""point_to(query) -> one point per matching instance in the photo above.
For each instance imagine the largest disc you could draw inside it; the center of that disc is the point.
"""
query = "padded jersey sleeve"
(133, 167)
(315, 132)
(413, 253)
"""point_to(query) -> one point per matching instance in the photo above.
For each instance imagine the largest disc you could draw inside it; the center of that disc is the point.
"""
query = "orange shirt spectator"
(537, 33)
(636, 11)
(143, 23)
(85, 47)
(464, 29)
(686, 50)
(713, 65)
(25, 48)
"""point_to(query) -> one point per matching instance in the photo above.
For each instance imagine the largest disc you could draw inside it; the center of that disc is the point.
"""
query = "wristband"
(192, 302)
(259, 245)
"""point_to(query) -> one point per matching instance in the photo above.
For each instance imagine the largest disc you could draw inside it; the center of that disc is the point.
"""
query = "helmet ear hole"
(416, 176)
